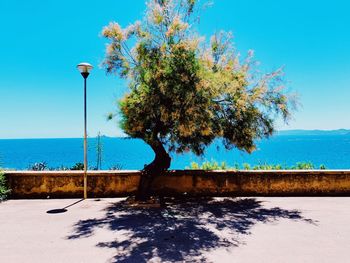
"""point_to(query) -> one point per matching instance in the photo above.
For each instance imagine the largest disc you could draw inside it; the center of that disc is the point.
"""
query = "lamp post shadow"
(64, 209)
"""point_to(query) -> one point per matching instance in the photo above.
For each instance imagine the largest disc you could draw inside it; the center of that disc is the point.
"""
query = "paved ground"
(220, 230)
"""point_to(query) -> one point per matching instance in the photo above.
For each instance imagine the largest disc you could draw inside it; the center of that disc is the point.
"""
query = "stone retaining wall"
(69, 184)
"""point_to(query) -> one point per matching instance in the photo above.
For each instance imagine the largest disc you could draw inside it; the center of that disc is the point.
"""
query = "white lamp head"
(84, 68)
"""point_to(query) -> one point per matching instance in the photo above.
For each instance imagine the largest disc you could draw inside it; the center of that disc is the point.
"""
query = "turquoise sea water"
(330, 150)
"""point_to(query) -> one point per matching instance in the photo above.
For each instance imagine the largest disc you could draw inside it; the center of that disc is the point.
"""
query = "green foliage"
(323, 167)
(303, 166)
(246, 166)
(43, 166)
(77, 166)
(4, 191)
(39, 166)
(193, 166)
(184, 92)
(213, 165)
(269, 167)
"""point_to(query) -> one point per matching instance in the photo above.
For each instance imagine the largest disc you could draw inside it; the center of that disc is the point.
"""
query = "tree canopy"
(186, 90)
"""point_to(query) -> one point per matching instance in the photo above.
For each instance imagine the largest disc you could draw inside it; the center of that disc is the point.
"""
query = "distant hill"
(314, 132)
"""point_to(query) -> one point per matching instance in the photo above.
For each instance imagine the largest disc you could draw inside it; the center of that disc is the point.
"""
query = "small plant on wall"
(4, 191)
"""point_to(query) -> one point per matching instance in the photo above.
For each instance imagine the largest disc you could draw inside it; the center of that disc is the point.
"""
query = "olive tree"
(185, 91)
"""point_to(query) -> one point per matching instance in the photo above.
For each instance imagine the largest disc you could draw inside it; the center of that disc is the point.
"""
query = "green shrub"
(40, 166)
(213, 165)
(77, 166)
(246, 166)
(193, 166)
(269, 167)
(323, 167)
(303, 166)
(3, 187)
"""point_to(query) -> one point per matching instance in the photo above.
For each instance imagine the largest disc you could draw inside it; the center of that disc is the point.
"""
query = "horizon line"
(121, 136)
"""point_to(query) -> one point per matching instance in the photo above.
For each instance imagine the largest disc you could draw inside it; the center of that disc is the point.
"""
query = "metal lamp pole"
(85, 69)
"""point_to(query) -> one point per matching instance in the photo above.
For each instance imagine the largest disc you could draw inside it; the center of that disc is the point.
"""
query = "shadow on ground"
(181, 231)
(63, 209)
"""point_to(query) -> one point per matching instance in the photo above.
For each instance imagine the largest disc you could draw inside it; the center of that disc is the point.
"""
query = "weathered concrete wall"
(68, 184)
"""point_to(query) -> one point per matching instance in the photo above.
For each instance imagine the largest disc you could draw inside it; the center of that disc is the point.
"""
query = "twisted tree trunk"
(160, 164)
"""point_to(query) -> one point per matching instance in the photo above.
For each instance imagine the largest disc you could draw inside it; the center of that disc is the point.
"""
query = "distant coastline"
(314, 132)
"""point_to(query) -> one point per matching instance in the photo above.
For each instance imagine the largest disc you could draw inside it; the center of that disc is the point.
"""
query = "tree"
(186, 91)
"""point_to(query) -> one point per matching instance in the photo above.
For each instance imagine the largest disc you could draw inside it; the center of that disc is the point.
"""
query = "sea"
(333, 151)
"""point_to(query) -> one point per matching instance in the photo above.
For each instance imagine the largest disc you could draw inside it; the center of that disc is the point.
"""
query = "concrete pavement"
(300, 229)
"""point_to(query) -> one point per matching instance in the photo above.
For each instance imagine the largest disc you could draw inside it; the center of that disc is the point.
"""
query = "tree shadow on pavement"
(181, 231)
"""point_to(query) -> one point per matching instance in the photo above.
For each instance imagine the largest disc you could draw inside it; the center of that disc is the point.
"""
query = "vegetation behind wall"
(3, 187)
(214, 165)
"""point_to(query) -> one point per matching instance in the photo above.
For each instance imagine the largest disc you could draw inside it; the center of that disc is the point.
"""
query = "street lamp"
(85, 69)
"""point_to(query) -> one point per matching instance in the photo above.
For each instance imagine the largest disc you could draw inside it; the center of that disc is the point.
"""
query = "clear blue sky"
(42, 41)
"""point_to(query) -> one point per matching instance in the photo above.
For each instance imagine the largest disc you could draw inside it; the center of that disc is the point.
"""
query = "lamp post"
(85, 69)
